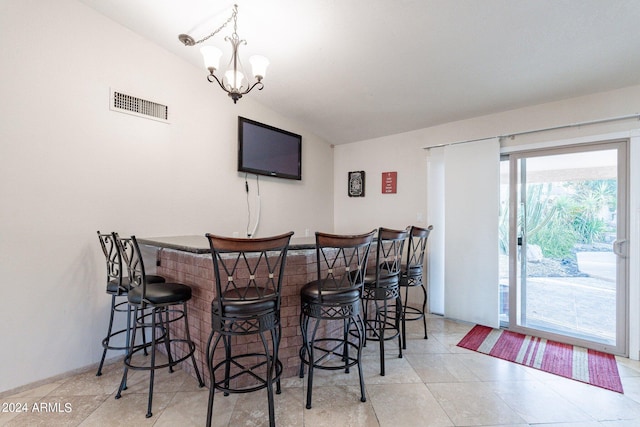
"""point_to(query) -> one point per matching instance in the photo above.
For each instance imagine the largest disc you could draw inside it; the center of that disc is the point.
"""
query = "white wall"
(69, 166)
(397, 153)
(405, 153)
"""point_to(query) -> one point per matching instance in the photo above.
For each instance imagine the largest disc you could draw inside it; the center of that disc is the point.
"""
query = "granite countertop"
(199, 244)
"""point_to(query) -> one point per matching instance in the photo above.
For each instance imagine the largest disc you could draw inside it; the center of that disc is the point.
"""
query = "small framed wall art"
(356, 184)
(389, 182)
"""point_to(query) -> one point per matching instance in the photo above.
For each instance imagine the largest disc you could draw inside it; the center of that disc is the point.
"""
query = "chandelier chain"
(233, 16)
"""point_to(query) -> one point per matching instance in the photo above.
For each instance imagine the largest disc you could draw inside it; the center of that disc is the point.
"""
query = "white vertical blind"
(436, 217)
(470, 194)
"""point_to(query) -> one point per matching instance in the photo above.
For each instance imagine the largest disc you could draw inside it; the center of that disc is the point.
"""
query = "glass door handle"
(620, 248)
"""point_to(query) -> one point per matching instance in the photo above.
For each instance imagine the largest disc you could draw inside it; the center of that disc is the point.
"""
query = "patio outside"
(570, 210)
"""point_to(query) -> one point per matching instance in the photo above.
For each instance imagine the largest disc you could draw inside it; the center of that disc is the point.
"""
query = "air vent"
(130, 104)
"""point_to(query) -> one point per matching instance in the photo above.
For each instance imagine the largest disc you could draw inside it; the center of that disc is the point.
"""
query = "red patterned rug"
(588, 366)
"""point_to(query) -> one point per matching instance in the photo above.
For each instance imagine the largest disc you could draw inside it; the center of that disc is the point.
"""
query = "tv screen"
(266, 150)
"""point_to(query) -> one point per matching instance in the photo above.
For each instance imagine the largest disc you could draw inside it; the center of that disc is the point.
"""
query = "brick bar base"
(196, 270)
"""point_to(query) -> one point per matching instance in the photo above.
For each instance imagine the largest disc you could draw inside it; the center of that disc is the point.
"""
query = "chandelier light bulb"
(259, 66)
(234, 79)
(211, 56)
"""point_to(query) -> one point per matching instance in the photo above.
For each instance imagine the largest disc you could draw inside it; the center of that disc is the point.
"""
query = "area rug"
(588, 366)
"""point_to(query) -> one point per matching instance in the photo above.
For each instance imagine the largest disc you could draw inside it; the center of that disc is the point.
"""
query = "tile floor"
(435, 384)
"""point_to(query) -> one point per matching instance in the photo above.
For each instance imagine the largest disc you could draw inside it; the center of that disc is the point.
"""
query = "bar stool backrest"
(342, 261)
(130, 252)
(416, 250)
(389, 251)
(113, 259)
(248, 270)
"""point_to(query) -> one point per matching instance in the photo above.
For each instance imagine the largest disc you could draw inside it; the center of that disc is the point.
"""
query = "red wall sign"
(389, 182)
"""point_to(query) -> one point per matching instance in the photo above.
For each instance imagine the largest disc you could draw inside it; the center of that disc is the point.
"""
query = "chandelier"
(233, 81)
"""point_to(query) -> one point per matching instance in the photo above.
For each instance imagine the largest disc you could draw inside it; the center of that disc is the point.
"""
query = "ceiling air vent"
(138, 107)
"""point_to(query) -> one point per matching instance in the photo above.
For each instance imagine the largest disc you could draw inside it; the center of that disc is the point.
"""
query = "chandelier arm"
(250, 88)
(218, 81)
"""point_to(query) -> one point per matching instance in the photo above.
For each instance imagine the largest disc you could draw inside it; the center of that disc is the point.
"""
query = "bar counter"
(187, 259)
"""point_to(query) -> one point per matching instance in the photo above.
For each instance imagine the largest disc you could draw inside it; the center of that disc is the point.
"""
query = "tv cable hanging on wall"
(255, 227)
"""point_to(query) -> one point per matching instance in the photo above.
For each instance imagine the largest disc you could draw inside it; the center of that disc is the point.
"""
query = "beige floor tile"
(190, 409)
(339, 406)
(579, 424)
(631, 386)
(40, 391)
(164, 381)
(628, 367)
(397, 370)
(600, 404)
(322, 377)
(489, 368)
(87, 384)
(252, 409)
(428, 346)
(441, 368)
(129, 410)
(620, 423)
(470, 404)
(536, 403)
(406, 405)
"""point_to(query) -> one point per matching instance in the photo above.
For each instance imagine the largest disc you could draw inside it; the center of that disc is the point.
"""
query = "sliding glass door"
(563, 235)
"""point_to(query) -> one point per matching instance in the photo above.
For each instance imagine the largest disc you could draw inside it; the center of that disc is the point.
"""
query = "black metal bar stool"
(117, 286)
(248, 280)
(335, 296)
(382, 287)
(167, 303)
(411, 277)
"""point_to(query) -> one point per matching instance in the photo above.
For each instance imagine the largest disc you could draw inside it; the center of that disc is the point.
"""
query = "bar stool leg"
(310, 353)
(346, 323)
(105, 342)
(382, 322)
(304, 323)
(192, 345)
(404, 316)
(211, 349)
(153, 360)
(424, 309)
(361, 328)
(275, 338)
(127, 357)
(399, 327)
(269, 366)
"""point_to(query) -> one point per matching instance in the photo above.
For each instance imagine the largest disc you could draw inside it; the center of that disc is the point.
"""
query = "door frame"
(623, 230)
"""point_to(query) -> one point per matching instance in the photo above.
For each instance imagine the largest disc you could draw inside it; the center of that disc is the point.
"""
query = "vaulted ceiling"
(351, 70)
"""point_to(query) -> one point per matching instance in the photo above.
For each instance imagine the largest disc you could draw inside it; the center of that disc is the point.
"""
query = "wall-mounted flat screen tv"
(267, 150)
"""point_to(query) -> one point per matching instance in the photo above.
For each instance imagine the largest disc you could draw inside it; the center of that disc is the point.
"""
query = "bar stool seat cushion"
(413, 271)
(114, 288)
(247, 302)
(161, 293)
(384, 280)
(311, 293)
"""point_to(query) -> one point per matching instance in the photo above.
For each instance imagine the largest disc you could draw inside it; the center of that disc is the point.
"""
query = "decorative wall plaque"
(356, 184)
(389, 182)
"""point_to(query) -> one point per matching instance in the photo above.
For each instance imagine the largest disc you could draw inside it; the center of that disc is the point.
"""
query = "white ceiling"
(351, 70)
